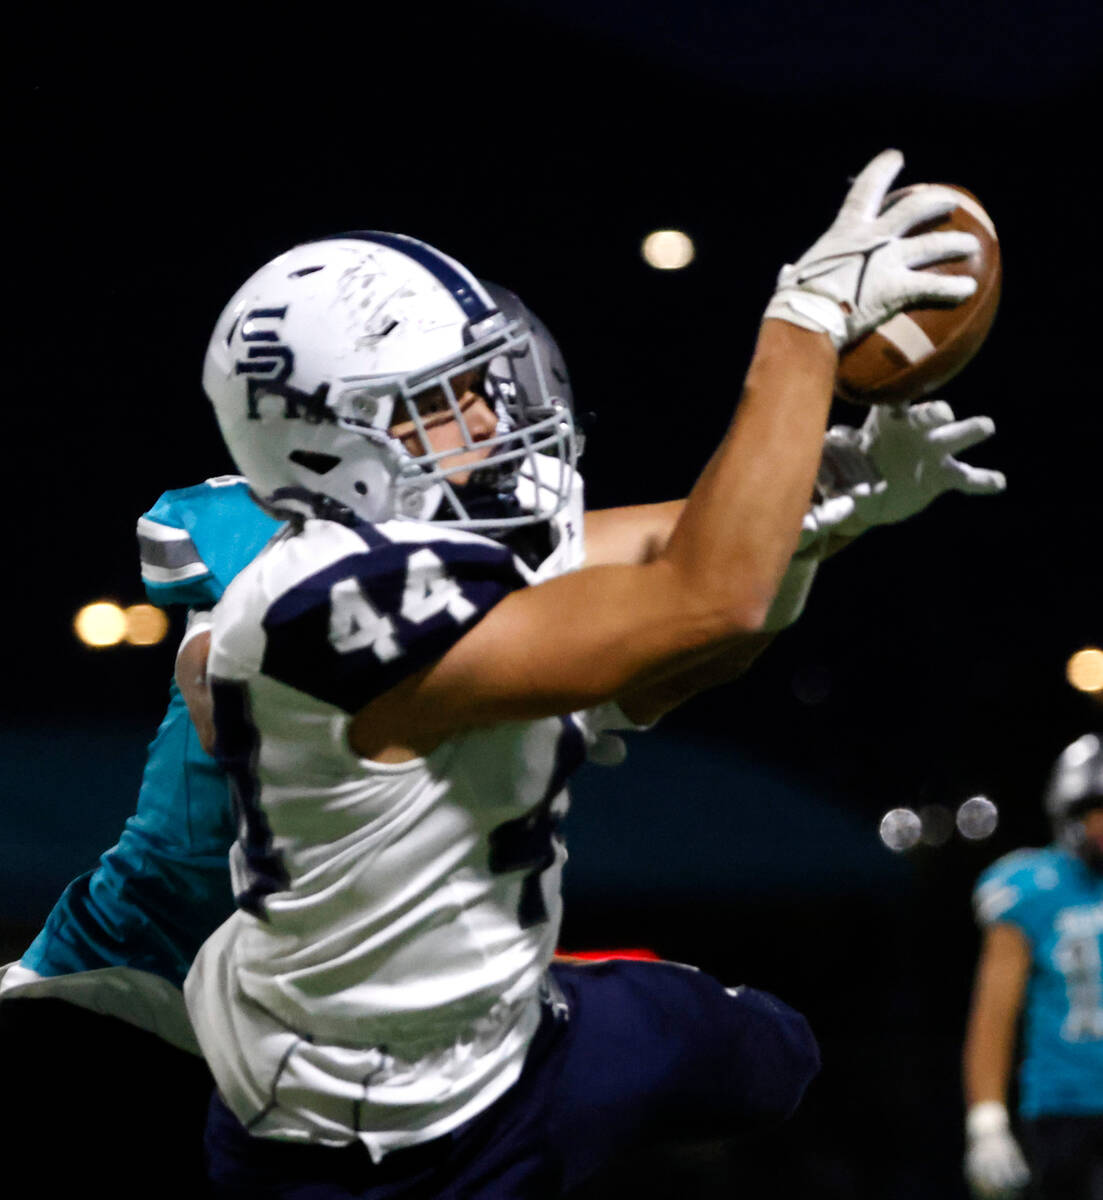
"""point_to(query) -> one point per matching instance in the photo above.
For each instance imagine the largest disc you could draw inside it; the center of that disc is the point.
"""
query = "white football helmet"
(332, 345)
(1076, 786)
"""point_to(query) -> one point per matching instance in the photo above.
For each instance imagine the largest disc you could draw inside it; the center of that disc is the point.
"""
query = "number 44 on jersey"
(355, 623)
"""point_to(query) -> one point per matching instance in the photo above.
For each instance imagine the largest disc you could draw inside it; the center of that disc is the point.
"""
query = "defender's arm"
(634, 534)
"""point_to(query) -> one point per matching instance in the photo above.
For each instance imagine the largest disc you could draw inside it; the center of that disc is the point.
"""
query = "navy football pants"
(1065, 1156)
(650, 1052)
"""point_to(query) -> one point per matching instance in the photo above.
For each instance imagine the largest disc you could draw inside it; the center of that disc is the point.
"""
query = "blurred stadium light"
(977, 818)
(105, 623)
(146, 625)
(900, 829)
(668, 249)
(100, 624)
(1085, 670)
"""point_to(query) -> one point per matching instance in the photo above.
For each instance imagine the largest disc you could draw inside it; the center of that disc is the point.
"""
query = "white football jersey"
(382, 979)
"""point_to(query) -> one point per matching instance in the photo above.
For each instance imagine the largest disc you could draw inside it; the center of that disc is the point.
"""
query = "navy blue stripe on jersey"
(258, 868)
(570, 754)
(528, 843)
(359, 627)
(464, 288)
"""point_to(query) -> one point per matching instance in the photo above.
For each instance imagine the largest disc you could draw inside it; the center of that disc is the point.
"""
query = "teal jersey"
(157, 894)
(1056, 900)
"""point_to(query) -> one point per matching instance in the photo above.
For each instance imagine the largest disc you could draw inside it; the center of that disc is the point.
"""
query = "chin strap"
(299, 504)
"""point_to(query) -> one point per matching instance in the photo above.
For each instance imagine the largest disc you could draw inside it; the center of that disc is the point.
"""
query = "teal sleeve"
(1012, 891)
(193, 541)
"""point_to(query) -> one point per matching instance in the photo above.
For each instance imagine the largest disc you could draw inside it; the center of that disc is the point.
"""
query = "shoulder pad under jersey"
(194, 540)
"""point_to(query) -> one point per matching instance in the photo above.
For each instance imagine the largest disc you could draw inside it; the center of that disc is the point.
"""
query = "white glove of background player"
(860, 272)
(994, 1164)
(911, 450)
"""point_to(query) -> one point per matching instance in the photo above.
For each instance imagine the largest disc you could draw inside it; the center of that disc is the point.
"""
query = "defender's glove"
(824, 516)
(860, 272)
(911, 451)
(846, 478)
(887, 471)
(994, 1164)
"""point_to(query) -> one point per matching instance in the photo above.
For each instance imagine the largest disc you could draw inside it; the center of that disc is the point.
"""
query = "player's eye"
(470, 381)
(432, 401)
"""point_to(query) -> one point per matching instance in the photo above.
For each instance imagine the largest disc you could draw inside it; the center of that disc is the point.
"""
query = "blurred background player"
(1042, 959)
(399, 701)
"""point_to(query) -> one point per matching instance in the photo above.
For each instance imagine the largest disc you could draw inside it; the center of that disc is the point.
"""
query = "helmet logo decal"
(269, 366)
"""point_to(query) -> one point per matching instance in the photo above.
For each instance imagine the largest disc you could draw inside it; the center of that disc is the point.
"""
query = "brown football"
(918, 350)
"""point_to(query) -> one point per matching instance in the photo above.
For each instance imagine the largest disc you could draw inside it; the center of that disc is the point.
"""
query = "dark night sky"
(152, 172)
(538, 146)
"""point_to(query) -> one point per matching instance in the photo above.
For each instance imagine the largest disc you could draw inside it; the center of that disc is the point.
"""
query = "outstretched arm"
(606, 631)
(994, 1164)
(726, 663)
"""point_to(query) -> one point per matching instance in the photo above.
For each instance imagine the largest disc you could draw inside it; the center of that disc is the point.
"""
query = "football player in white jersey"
(398, 699)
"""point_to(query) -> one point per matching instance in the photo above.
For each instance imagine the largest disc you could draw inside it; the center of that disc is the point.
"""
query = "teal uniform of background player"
(159, 892)
(1056, 900)
(94, 1035)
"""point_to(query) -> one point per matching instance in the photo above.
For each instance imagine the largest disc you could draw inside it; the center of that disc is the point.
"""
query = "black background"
(151, 169)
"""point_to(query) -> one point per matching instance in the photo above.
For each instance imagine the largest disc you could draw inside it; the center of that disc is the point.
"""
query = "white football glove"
(994, 1164)
(860, 272)
(890, 469)
(846, 478)
(911, 450)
